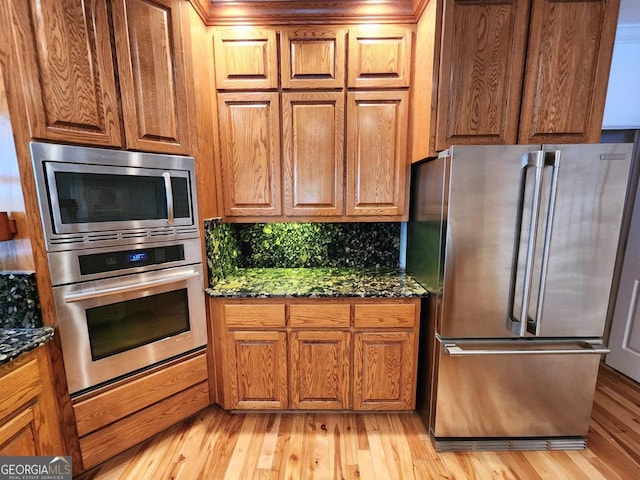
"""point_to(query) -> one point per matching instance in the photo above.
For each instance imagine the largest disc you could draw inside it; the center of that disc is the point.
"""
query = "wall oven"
(125, 257)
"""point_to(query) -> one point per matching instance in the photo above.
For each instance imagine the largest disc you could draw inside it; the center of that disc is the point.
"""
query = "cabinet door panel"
(312, 57)
(320, 370)
(313, 142)
(19, 435)
(64, 53)
(152, 74)
(380, 57)
(568, 60)
(257, 364)
(250, 150)
(384, 371)
(245, 59)
(483, 48)
(376, 152)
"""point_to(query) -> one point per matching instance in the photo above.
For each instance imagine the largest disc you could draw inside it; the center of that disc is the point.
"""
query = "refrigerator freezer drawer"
(494, 392)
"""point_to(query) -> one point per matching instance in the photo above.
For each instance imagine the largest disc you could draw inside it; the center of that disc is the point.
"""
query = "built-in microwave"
(98, 197)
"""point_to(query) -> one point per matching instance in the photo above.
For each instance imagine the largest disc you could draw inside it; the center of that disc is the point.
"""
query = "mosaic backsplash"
(300, 245)
(19, 306)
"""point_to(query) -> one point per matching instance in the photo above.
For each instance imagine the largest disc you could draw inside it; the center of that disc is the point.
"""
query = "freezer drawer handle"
(581, 347)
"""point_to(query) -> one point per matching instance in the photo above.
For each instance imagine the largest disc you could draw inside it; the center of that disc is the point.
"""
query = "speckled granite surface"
(16, 341)
(19, 306)
(316, 282)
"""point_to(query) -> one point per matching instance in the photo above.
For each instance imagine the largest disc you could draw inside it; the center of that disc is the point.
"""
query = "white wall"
(622, 106)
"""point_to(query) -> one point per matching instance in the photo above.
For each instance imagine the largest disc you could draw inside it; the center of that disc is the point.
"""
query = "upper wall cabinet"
(380, 57)
(65, 60)
(245, 58)
(312, 57)
(512, 72)
(150, 57)
(64, 52)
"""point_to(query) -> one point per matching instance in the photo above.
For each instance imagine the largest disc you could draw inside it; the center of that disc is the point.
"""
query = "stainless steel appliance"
(124, 253)
(518, 245)
(97, 197)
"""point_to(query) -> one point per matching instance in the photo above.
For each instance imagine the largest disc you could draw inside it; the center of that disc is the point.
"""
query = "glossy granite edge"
(16, 341)
(317, 283)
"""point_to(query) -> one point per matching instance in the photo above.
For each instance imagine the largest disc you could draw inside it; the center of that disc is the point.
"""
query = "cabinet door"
(19, 435)
(250, 150)
(313, 144)
(482, 61)
(568, 60)
(245, 58)
(377, 166)
(65, 59)
(319, 368)
(257, 369)
(384, 371)
(152, 74)
(312, 57)
(380, 57)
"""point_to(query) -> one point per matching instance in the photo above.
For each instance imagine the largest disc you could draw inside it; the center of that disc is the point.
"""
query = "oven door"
(110, 328)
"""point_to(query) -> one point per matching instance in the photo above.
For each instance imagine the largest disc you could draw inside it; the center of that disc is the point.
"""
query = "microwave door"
(94, 198)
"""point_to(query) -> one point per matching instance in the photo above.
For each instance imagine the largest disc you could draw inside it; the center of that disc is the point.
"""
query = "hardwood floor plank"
(381, 465)
(266, 457)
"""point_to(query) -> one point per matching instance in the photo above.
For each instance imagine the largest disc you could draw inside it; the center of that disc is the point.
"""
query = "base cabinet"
(29, 419)
(315, 354)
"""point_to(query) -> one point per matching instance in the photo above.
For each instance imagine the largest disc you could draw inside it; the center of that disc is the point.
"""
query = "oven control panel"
(125, 259)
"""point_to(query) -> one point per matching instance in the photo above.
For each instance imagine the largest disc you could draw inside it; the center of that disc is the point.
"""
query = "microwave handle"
(105, 292)
(169, 192)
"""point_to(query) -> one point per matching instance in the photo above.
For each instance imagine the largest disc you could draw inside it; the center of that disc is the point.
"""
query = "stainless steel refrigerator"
(518, 246)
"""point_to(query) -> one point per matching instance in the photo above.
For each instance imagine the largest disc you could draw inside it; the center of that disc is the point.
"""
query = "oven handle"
(169, 192)
(79, 297)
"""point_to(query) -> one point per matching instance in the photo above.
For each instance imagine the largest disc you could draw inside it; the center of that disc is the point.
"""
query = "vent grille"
(510, 445)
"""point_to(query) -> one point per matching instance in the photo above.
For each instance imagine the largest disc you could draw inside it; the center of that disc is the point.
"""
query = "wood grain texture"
(245, 58)
(254, 314)
(313, 153)
(65, 61)
(568, 61)
(381, 315)
(314, 315)
(250, 150)
(319, 370)
(370, 446)
(312, 57)
(482, 62)
(379, 57)
(153, 79)
(113, 404)
(377, 166)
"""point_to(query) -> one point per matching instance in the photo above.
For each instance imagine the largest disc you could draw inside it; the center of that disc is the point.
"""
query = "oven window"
(94, 198)
(126, 325)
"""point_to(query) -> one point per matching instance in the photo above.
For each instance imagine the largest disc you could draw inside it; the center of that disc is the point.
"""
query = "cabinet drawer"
(385, 315)
(257, 315)
(332, 315)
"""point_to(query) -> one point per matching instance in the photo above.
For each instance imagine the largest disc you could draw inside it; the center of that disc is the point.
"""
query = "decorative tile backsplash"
(19, 305)
(300, 245)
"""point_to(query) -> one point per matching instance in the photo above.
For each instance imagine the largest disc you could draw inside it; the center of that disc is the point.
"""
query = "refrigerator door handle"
(456, 350)
(530, 160)
(552, 159)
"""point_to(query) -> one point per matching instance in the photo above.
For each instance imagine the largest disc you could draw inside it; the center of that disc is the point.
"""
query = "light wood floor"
(218, 445)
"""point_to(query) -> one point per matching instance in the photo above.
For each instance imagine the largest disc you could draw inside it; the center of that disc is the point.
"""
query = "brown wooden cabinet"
(313, 153)
(29, 419)
(512, 72)
(329, 354)
(67, 65)
(153, 80)
(377, 134)
(249, 124)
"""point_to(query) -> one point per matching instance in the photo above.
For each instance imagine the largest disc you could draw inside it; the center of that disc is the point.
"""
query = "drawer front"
(385, 315)
(255, 315)
(331, 315)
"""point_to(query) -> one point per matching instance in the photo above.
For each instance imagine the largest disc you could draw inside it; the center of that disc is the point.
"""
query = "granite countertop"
(16, 341)
(316, 282)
